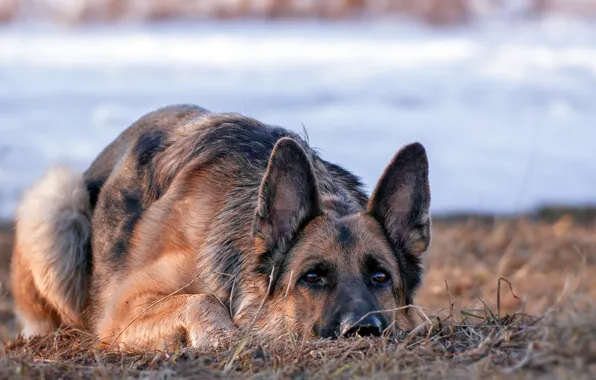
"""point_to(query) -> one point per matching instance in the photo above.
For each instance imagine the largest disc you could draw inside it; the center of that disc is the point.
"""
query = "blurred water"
(506, 111)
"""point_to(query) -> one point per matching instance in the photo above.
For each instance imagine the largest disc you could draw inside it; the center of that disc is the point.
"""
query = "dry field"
(544, 327)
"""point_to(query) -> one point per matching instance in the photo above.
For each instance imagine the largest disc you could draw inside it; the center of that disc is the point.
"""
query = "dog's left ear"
(288, 199)
(401, 202)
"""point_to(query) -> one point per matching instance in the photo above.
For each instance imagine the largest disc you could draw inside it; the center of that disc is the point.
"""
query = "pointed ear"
(401, 201)
(288, 199)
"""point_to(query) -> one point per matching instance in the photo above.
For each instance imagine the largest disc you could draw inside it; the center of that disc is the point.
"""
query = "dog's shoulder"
(145, 132)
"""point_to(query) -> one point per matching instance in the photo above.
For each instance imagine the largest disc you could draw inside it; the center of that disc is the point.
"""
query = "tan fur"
(33, 312)
(153, 322)
(164, 285)
(52, 233)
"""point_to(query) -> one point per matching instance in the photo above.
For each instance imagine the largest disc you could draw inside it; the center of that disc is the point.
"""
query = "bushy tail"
(53, 233)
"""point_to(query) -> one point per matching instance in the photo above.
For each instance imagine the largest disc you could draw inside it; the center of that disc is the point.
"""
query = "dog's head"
(336, 276)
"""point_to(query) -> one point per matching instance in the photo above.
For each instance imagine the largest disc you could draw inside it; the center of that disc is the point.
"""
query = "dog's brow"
(345, 237)
(373, 261)
(317, 264)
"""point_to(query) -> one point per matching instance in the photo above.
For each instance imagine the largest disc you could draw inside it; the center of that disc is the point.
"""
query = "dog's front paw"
(209, 324)
(210, 338)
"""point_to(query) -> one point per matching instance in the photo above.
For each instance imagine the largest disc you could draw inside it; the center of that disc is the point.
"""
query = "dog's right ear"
(288, 199)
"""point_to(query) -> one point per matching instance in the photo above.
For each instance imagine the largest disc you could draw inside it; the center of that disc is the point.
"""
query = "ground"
(543, 325)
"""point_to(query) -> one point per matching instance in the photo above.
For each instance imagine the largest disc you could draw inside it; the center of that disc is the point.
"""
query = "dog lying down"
(191, 222)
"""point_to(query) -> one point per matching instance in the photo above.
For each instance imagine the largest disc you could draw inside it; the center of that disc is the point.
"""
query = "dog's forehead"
(354, 234)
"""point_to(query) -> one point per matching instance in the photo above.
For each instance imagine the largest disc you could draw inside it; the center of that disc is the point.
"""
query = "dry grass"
(562, 343)
(551, 264)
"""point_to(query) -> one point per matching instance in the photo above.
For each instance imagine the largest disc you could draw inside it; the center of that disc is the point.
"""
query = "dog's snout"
(369, 325)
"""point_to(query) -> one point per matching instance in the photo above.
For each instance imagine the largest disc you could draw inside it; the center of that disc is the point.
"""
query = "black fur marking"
(144, 151)
(345, 237)
(147, 145)
(93, 188)
(130, 204)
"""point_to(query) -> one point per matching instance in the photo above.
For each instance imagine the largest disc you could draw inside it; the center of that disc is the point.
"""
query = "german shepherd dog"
(193, 224)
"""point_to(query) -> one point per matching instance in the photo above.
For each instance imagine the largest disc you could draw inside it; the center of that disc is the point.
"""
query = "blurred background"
(501, 92)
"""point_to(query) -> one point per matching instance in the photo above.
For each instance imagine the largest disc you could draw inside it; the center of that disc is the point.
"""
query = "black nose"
(354, 324)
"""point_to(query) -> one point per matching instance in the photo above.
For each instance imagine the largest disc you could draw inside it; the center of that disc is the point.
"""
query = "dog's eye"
(380, 277)
(312, 277)
(317, 276)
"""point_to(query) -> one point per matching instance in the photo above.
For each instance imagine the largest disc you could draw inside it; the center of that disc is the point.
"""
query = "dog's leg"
(158, 323)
